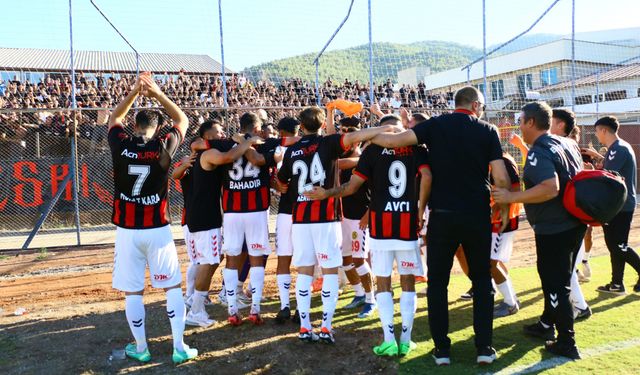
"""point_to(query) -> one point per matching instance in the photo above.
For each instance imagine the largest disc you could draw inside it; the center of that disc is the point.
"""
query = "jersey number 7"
(142, 171)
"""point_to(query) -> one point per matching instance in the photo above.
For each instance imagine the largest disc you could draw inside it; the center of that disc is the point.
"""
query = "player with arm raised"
(141, 214)
(316, 229)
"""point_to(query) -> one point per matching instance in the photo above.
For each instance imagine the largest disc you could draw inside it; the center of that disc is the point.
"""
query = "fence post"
(74, 144)
(224, 77)
(370, 58)
(484, 50)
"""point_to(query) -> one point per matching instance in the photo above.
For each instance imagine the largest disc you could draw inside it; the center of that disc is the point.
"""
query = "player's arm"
(255, 158)
(348, 163)
(425, 191)
(404, 115)
(391, 140)
(330, 124)
(151, 89)
(344, 190)
(517, 141)
(375, 109)
(215, 157)
(121, 110)
(356, 137)
(185, 163)
(544, 191)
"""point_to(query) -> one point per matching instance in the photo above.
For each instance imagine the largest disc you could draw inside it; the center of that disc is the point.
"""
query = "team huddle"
(352, 199)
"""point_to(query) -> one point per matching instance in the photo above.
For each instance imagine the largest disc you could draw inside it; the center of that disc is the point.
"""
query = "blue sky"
(262, 30)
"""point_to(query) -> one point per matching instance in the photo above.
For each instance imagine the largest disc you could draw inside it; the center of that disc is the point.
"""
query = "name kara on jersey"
(147, 201)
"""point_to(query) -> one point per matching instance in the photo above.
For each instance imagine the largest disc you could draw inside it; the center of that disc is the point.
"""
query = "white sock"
(231, 283)
(506, 289)
(369, 297)
(303, 299)
(576, 295)
(329, 299)
(256, 275)
(191, 279)
(134, 310)
(197, 304)
(284, 284)
(176, 314)
(359, 290)
(408, 303)
(385, 310)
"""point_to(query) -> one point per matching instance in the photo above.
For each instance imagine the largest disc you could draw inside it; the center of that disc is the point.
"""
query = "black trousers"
(446, 232)
(556, 262)
(616, 235)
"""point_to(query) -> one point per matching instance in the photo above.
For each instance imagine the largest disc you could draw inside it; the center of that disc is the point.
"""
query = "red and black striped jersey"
(312, 162)
(185, 185)
(246, 187)
(203, 208)
(391, 173)
(141, 178)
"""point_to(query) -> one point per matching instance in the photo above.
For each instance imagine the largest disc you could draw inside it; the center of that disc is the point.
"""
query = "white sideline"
(558, 361)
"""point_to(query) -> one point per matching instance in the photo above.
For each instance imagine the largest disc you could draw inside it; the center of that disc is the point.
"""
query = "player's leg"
(382, 266)
(128, 276)
(232, 248)
(208, 247)
(191, 268)
(360, 258)
(304, 259)
(256, 229)
(462, 261)
(581, 309)
(409, 266)
(164, 269)
(588, 244)
(327, 238)
(501, 249)
(349, 239)
(284, 250)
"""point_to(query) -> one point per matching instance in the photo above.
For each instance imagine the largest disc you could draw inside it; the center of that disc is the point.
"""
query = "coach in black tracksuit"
(551, 162)
(461, 149)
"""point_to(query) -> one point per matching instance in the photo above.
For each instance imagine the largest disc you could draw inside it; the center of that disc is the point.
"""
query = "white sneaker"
(200, 319)
(188, 301)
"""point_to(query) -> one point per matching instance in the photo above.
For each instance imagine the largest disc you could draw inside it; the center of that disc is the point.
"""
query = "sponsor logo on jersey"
(255, 246)
(305, 150)
(354, 235)
(322, 256)
(160, 277)
(142, 155)
(399, 151)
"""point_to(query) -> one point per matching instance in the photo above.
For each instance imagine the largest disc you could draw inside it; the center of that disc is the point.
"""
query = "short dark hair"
(312, 118)
(206, 126)
(566, 116)
(288, 124)
(466, 95)
(350, 122)
(609, 121)
(419, 117)
(540, 112)
(148, 118)
(390, 117)
(248, 121)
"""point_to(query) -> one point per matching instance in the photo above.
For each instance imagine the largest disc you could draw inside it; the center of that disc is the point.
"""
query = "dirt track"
(74, 319)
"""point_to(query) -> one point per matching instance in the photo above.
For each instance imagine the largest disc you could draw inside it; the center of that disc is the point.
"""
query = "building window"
(525, 83)
(497, 90)
(480, 87)
(615, 95)
(584, 99)
(638, 93)
(598, 98)
(555, 103)
(549, 76)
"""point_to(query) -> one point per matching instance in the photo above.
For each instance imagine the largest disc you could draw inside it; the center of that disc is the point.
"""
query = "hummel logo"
(554, 300)
(390, 327)
(230, 292)
(303, 293)
(623, 247)
(404, 329)
(532, 159)
(253, 290)
(303, 315)
(613, 152)
(171, 314)
(324, 316)
(611, 156)
(326, 294)
(287, 285)
(137, 323)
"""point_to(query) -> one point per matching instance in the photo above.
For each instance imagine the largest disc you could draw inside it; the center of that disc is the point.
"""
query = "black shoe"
(538, 330)
(582, 314)
(295, 317)
(468, 295)
(283, 315)
(486, 355)
(564, 350)
(616, 289)
(441, 356)
(636, 288)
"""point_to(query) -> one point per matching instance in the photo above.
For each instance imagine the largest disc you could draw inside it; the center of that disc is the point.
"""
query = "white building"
(411, 76)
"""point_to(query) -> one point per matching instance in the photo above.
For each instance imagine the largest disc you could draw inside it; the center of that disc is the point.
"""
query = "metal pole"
(318, 83)
(469, 77)
(370, 58)
(597, 94)
(224, 77)
(573, 55)
(74, 145)
(484, 50)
